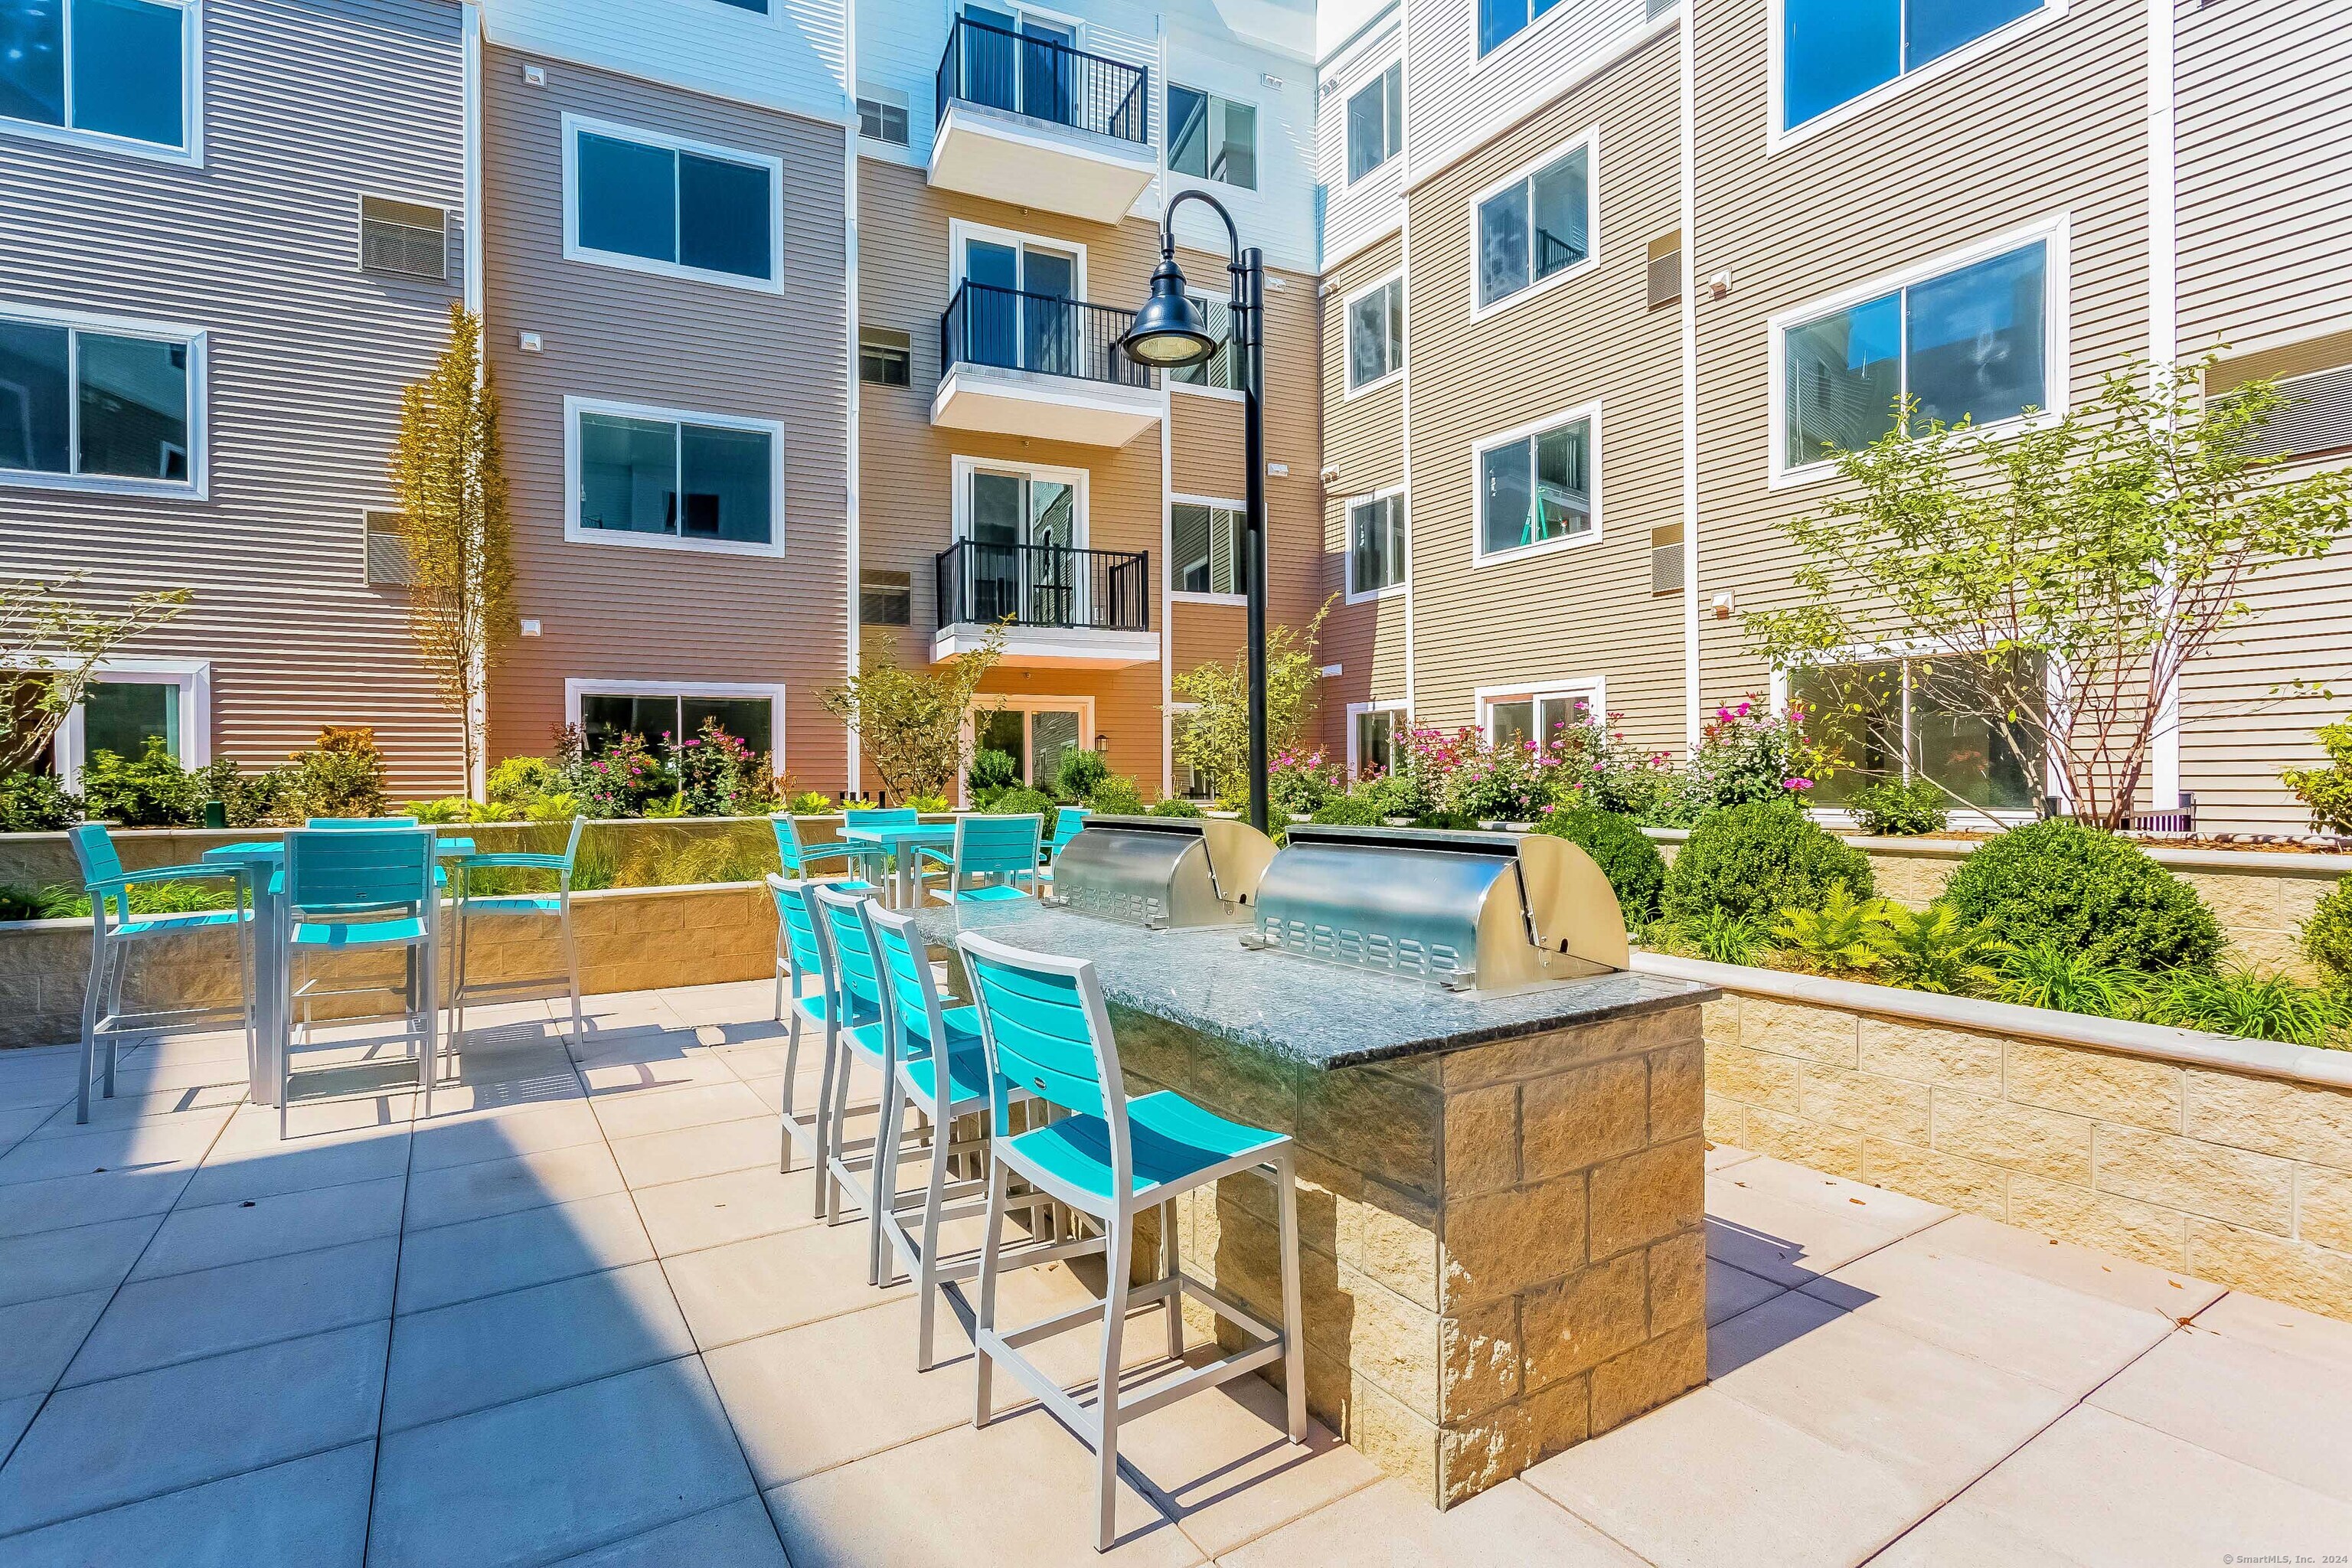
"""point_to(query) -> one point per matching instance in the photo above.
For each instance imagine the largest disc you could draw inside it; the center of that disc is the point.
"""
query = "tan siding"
(306, 108)
(1363, 439)
(621, 613)
(1586, 611)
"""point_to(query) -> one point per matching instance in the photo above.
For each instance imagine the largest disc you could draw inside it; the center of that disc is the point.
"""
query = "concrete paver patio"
(577, 1315)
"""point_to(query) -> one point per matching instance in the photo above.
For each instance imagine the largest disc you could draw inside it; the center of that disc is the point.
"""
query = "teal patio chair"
(388, 878)
(862, 1039)
(799, 860)
(828, 1009)
(998, 853)
(1069, 823)
(115, 930)
(1045, 1023)
(939, 1071)
(555, 906)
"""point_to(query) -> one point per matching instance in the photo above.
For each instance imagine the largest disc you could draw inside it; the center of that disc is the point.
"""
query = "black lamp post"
(1168, 334)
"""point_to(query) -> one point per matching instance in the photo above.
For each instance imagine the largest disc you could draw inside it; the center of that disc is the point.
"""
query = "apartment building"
(1604, 279)
(803, 319)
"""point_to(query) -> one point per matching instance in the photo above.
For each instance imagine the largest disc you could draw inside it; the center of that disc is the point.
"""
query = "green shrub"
(150, 790)
(1844, 936)
(2327, 934)
(1717, 935)
(1447, 821)
(2327, 791)
(2253, 1004)
(1635, 869)
(991, 770)
(1755, 860)
(519, 781)
(809, 803)
(1935, 950)
(1358, 810)
(2090, 892)
(1117, 797)
(20, 904)
(1891, 807)
(343, 776)
(1025, 802)
(1081, 769)
(450, 808)
(1175, 805)
(35, 803)
(2048, 973)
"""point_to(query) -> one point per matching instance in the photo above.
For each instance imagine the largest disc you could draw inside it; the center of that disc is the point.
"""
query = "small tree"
(1215, 740)
(2050, 583)
(51, 645)
(910, 723)
(453, 499)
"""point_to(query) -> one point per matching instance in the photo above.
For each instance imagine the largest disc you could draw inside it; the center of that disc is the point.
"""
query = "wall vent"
(2316, 417)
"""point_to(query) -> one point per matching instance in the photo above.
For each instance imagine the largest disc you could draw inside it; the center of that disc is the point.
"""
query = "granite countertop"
(1318, 1014)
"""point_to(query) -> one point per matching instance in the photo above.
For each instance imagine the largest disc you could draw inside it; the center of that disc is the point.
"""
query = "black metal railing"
(984, 324)
(1044, 79)
(1044, 585)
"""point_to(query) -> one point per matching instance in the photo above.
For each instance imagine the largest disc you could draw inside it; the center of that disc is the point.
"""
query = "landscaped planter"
(2228, 1158)
(2260, 897)
(631, 939)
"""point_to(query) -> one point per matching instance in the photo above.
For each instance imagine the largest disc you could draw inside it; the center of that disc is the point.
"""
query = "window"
(92, 403)
(404, 236)
(1537, 715)
(129, 703)
(1222, 369)
(1036, 732)
(1666, 559)
(882, 115)
(651, 714)
(1536, 487)
(760, 6)
(884, 357)
(115, 68)
(1376, 122)
(641, 201)
(1969, 343)
(1371, 737)
(1209, 548)
(1907, 718)
(645, 476)
(1666, 272)
(1212, 138)
(388, 564)
(1537, 226)
(886, 598)
(1833, 51)
(1500, 21)
(1376, 560)
(1375, 333)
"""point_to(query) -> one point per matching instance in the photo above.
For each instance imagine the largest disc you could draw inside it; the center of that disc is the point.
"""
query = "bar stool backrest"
(856, 976)
(94, 854)
(1046, 1029)
(344, 823)
(572, 844)
(327, 868)
(914, 1007)
(792, 854)
(885, 817)
(1069, 824)
(996, 847)
(803, 945)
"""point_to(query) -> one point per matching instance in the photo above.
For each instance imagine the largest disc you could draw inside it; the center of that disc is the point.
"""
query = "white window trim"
(1479, 554)
(1357, 710)
(1347, 100)
(574, 124)
(1593, 689)
(2054, 233)
(1347, 565)
(574, 532)
(962, 229)
(1509, 46)
(1590, 140)
(1210, 183)
(1778, 139)
(1241, 543)
(1348, 392)
(191, 105)
(962, 469)
(198, 486)
(194, 676)
(577, 686)
(772, 18)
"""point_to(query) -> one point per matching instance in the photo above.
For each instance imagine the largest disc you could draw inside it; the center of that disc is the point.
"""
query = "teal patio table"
(900, 842)
(266, 860)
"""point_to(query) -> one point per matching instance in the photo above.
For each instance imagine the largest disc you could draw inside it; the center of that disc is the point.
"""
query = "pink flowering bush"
(1302, 781)
(1745, 753)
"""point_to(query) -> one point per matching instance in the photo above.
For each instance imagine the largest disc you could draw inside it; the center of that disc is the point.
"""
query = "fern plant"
(2253, 1004)
(2047, 974)
(1934, 949)
(1842, 937)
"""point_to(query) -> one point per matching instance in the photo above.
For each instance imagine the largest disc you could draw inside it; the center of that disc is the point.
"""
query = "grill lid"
(1162, 871)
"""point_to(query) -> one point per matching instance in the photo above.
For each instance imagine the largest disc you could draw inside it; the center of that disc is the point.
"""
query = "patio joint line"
(391, 1322)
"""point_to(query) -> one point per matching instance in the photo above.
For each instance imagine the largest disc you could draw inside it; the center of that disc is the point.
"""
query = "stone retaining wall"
(631, 939)
(2230, 1159)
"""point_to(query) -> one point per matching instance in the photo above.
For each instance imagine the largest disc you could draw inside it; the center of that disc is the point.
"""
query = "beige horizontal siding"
(1363, 439)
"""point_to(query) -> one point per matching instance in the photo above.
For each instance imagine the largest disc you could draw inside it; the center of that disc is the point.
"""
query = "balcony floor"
(577, 1315)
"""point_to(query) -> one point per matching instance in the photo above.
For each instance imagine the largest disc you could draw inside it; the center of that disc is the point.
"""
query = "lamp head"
(1168, 333)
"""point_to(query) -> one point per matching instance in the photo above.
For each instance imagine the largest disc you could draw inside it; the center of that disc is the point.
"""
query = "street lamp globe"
(1168, 333)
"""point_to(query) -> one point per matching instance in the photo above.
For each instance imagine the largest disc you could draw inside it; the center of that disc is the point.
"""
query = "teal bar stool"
(1045, 1023)
(861, 1037)
(938, 1071)
(800, 861)
(833, 1010)
(1069, 823)
(993, 857)
(388, 878)
(115, 930)
(555, 906)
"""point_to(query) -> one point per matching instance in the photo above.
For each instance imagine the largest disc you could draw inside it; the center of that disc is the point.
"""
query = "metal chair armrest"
(515, 858)
(222, 873)
(933, 852)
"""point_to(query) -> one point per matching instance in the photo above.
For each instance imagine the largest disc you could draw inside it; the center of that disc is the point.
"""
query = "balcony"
(1033, 122)
(1061, 608)
(1015, 364)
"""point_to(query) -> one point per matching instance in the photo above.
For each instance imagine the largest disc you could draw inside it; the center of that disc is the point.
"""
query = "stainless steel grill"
(1162, 871)
(1485, 912)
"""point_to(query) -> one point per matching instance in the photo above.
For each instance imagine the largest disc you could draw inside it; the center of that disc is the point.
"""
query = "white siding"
(1355, 215)
(1466, 101)
(790, 59)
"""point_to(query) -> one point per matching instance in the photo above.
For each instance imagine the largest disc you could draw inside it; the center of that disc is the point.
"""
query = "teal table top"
(274, 850)
(920, 833)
